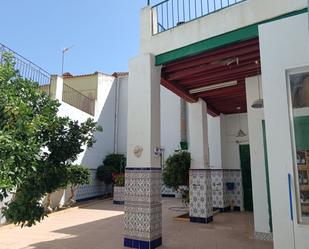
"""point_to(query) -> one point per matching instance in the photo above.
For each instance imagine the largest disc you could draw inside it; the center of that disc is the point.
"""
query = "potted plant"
(112, 172)
(176, 173)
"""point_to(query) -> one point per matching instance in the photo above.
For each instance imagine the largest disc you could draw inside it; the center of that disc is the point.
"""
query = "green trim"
(238, 35)
(267, 177)
(202, 46)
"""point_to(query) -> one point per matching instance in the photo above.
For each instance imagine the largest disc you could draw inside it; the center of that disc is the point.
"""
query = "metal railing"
(171, 13)
(26, 68)
(80, 101)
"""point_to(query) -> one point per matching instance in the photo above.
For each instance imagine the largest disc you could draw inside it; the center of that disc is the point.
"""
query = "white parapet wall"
(223, 21)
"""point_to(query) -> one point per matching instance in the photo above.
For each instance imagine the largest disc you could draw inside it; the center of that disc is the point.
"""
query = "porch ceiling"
(230, 63)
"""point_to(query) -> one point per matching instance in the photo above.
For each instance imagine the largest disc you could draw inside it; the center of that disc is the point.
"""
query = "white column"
(143, 211)
(200, 175)
(258, 167)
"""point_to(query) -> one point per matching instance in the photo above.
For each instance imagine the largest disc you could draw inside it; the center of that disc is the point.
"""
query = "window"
(298, 81)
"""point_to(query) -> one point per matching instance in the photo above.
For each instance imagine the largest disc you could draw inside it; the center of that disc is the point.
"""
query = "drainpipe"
(116, 116)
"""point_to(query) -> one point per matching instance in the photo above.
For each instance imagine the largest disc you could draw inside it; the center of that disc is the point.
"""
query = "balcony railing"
(26, 68)
(171, 13)
(80, 101)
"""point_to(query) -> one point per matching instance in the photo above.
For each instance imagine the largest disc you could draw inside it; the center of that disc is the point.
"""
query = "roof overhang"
(217, 76)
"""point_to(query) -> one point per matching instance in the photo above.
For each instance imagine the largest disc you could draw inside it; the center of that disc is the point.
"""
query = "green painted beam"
(238, 35)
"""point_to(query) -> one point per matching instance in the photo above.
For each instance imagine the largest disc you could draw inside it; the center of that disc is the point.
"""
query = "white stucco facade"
(293, 36)
(103, 115)
(221, 22)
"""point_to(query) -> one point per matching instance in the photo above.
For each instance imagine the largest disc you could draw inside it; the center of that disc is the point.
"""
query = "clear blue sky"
(105, 33)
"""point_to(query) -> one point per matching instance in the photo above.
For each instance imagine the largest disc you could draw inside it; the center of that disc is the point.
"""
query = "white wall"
(87, 85)
(2, 219)
(229, 19)
(284, 45)
(170, 121)
(258, 173)
(104, 116)
(198, 135)
(230, 126)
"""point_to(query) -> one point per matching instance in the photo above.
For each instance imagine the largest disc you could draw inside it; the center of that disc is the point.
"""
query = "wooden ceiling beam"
(198, 59)
(207, 67)
(178, 90)
(218, 79)
(241, 69)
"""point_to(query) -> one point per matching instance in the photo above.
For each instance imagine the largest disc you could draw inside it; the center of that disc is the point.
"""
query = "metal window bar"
(26, 68)
(80, 101)
(171, 13)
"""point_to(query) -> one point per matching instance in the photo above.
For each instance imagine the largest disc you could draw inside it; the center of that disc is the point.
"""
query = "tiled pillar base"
(143, 208)
(118, 198)
(219, 195)
(200, 196)
(263, 236)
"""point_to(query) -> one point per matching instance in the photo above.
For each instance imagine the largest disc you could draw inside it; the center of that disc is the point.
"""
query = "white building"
(221, 58)
(105, 99)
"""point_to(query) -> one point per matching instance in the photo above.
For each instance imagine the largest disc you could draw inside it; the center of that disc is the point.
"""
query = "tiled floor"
(99, 226)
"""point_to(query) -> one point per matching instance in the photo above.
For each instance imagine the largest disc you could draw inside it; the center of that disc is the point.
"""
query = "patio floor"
(98, 225)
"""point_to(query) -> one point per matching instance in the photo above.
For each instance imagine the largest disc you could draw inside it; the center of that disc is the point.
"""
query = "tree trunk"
(71, 200)
(48, 208)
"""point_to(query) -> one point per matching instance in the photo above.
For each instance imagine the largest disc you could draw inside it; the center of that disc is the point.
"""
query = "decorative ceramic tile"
(218, 189)
(200, 194)
(118, 197)
(235, 196)
(143, 208)
(96, 188)
(143, 222)
(223, 197)
(263, 236)
(143, 186)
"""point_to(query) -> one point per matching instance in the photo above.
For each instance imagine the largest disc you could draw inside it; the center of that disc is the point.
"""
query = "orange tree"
(36, 146)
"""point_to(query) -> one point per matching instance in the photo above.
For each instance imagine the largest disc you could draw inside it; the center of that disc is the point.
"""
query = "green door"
(245, 165)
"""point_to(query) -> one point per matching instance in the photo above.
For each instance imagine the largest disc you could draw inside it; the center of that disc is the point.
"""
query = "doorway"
(245, 165)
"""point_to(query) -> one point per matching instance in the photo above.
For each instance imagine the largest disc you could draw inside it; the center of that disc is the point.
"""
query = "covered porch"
(99, 225)
(222, 83)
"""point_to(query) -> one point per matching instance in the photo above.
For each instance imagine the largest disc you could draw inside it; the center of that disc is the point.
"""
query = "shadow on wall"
(104, 145)
(104, 140)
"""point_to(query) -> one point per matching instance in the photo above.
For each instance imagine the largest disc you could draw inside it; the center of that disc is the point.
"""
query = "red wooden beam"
(212, 80)
(212, 110)
(244, 57)
(226, 98)
(220, 72)
(178, 90)
(198, 59)
(220, 92)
